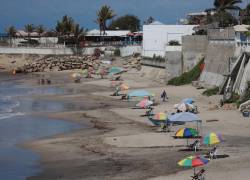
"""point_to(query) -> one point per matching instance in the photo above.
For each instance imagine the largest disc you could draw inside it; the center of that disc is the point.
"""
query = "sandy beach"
(119, 143)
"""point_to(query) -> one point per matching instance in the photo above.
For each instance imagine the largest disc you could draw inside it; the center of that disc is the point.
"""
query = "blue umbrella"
(184, 117)
(188, 101)
(139, 93)
(115, 70)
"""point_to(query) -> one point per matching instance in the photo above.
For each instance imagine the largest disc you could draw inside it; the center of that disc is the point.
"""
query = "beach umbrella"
(115, 70)
(144, 103)
(186, 133)
(139, 93)
(212, 138)
(193, 161)
(188, 101)
(161, 116)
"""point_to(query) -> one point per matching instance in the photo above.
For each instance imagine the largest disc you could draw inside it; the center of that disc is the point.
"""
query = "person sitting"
(213, 153)
(163, 127)
(149, 112)
(124, 97)
(199, 175)
(195, 145)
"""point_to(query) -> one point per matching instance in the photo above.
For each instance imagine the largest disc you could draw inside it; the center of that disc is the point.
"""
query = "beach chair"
(213, 153)
(199, 175)
(194, 146)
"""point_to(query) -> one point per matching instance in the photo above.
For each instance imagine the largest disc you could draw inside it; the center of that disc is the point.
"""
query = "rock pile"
(60, 63)
(133, 62)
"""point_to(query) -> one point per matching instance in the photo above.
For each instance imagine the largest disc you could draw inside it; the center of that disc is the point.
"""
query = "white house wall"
(156, 37)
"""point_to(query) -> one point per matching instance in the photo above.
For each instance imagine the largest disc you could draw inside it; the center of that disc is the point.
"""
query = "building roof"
(96, 32)
(23, 33)
(203, 13)
(156, 23)
(241, 28)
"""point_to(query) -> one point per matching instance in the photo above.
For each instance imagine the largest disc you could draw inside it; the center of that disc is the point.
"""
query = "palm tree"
(78, 32)
(11, 31)
(221, 8)
(223, 5)
(104, 14)
(29, 28)
(40, 29)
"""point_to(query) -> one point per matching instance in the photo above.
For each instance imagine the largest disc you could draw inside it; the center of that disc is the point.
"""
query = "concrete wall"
(173, 64)
(152, 62)
(43, 51)
(125, 51)
(129, 50)
(193, 49)
(221, 34)
(216, 62)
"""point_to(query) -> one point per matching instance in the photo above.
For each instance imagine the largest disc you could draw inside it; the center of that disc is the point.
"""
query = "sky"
(47, 12)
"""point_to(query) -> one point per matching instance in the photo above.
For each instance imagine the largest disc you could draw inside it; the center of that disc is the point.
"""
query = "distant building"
(242, 38)
(112, 37)
(156, 38)
(198, 17)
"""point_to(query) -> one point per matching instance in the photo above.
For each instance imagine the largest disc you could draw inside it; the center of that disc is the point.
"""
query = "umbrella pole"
(194, 171)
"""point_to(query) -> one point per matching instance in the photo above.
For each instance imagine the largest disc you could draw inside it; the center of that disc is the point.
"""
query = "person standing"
(164, 96)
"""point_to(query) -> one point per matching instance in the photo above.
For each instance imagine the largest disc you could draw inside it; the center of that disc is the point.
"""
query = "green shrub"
(174, 43)
(211, 91)
(187, 77)
(117, 52)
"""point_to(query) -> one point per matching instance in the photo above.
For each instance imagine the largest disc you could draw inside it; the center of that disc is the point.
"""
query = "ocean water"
(18, 125)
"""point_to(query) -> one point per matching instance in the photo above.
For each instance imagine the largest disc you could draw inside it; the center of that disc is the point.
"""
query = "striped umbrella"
(186, 133)
(212, 138)
(144, 103)
(193, 161)
(161, 116)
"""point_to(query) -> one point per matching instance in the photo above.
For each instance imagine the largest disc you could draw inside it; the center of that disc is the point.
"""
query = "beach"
(118, 143)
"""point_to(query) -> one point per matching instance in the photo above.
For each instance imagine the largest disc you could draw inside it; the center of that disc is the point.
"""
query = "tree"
(40, 30)
(127, 22)
(221, 7)
(65, 26)
(29, 28)
(225, 19)
(149, 20)
(11, 31)
(104, 14)
(245, 15)
(78, 32)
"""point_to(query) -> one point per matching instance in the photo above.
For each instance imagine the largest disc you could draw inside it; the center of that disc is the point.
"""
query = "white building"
(156, 37)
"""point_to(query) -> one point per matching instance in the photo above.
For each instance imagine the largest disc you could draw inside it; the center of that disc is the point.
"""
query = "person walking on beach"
(164, 96)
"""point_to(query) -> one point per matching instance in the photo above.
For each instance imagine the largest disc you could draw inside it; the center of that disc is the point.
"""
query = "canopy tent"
(185, 117)
(139, 93)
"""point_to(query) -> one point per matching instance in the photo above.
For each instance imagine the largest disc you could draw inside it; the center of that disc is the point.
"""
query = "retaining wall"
(125, 51)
